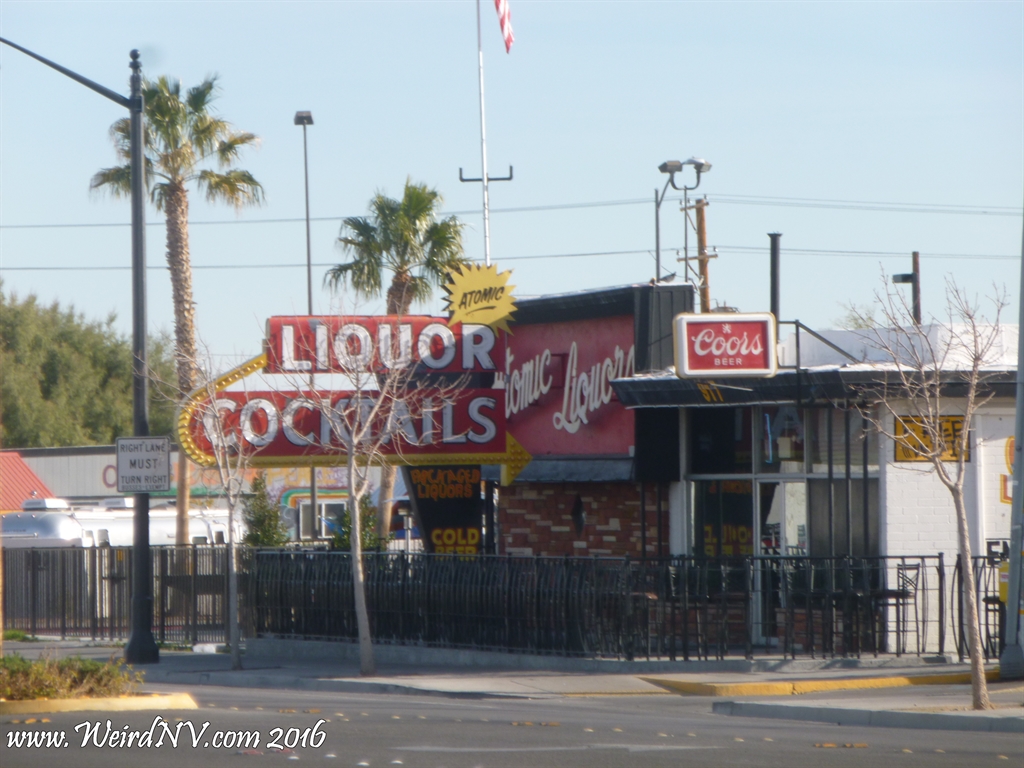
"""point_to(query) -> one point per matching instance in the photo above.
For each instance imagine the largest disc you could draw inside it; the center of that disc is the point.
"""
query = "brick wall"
(536, 519)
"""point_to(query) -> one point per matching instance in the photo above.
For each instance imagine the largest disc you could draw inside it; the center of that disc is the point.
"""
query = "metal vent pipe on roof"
(774, 279)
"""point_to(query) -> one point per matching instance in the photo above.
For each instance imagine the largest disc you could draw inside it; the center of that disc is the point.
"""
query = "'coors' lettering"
(708, 342)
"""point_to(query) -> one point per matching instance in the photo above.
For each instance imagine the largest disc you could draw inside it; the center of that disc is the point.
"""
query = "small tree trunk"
(234, 633)
(399, 300)
(979, 685)
(387, 490)
(182, 501)
(367, 665)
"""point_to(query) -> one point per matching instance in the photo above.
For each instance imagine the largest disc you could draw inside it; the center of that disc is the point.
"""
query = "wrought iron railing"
(617, 608)
(670, 608)
(86, 593)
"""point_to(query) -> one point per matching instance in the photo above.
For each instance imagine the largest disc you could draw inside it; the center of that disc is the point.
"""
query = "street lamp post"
(304, 119)
(672, 167)
(142, 648)
(914, 278)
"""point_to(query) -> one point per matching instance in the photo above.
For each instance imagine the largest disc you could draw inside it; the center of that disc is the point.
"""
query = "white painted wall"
(994, 440)
(918, 517)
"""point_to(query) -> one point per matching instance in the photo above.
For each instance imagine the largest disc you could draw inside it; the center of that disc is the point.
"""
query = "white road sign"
(143, 464)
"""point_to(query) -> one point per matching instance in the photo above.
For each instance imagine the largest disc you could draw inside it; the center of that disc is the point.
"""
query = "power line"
(832, 253)
(866, 205)
(784, 202)
(866, 254)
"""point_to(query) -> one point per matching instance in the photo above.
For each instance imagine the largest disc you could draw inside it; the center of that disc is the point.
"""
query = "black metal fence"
(678, 608)
(86, 593)
(672, 608)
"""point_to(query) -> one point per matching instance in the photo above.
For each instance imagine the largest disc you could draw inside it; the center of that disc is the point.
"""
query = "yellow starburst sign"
(479, 294)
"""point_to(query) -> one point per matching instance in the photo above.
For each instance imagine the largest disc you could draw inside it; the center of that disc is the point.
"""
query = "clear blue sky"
(914, 107)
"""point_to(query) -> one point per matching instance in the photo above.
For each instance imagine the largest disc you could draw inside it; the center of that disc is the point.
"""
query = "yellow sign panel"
(482, 295)
(914, 443)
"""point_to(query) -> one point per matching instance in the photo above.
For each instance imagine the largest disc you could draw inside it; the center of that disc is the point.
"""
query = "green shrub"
(18, 636)
(262, 517)
(371, 541)
(69, 678)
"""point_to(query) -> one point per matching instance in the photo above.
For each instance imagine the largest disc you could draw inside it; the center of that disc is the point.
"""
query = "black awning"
(805, 387)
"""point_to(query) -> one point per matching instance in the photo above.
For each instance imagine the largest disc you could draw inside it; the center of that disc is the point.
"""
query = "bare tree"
(372, 424)
(231, 457)
(934, 381)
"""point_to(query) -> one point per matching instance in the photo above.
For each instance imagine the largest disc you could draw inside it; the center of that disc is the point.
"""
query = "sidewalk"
(907, 692)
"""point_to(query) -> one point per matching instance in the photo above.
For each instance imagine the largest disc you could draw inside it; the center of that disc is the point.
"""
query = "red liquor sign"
(725, 345)
(380, 343)
(288, 428)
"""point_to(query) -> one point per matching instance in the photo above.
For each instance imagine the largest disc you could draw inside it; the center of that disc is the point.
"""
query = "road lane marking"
(581, 748)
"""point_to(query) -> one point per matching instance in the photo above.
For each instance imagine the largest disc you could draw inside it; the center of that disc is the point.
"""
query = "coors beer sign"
(708, 345)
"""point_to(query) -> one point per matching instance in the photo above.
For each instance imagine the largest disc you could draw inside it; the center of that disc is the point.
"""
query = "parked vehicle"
(53, 523)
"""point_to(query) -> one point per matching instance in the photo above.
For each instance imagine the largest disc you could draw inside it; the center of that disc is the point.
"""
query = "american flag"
(505, 17)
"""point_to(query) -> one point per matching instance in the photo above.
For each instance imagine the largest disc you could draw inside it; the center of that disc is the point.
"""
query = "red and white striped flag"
(505, 17)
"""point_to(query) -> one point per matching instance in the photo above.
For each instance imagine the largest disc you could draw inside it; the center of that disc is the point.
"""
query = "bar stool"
(902, 598)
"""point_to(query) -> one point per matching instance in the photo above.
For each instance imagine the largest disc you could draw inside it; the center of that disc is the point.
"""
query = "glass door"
(782, 532)
(723, 518)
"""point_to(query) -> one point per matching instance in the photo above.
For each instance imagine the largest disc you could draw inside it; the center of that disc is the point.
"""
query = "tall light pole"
(142, 648)
(672, 167)
(304, 119)
(1011, 662)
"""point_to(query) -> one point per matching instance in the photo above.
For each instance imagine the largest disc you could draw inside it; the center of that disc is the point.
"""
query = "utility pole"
(702, 256)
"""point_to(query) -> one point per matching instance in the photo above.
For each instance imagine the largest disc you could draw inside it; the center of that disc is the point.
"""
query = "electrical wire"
(785, 202)
(742, 249)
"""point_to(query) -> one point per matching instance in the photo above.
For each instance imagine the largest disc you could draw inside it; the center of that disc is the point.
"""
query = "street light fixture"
(142, 647)
(672, 167)
(304, 119)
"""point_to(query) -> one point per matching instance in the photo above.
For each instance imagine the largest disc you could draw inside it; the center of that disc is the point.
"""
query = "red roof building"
(18, 482)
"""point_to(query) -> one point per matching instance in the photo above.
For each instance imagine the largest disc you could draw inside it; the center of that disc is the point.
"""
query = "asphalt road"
(384, 730)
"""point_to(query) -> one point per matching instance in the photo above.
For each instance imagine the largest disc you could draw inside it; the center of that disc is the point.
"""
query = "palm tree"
(405, 238)
(181, 134)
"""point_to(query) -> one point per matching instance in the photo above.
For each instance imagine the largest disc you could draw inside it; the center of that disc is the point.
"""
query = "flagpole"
(483, 142)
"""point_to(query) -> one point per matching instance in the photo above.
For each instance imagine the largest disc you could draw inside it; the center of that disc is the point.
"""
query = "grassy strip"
(19, 635)
(69, 678)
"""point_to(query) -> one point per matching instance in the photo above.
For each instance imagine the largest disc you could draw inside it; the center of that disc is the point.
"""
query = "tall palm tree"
(181, 135)
(406, 238)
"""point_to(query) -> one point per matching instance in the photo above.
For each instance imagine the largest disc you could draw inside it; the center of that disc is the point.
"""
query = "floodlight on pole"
(672, 167)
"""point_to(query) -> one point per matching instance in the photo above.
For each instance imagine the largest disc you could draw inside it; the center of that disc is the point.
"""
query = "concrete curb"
(866, 717)
(790, 688)
(273, 649)
(114, 704)
(297, 683)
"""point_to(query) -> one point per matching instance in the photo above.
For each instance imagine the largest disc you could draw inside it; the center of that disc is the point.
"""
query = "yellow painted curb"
(115, 704)
(796, 687)
(616, 693)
